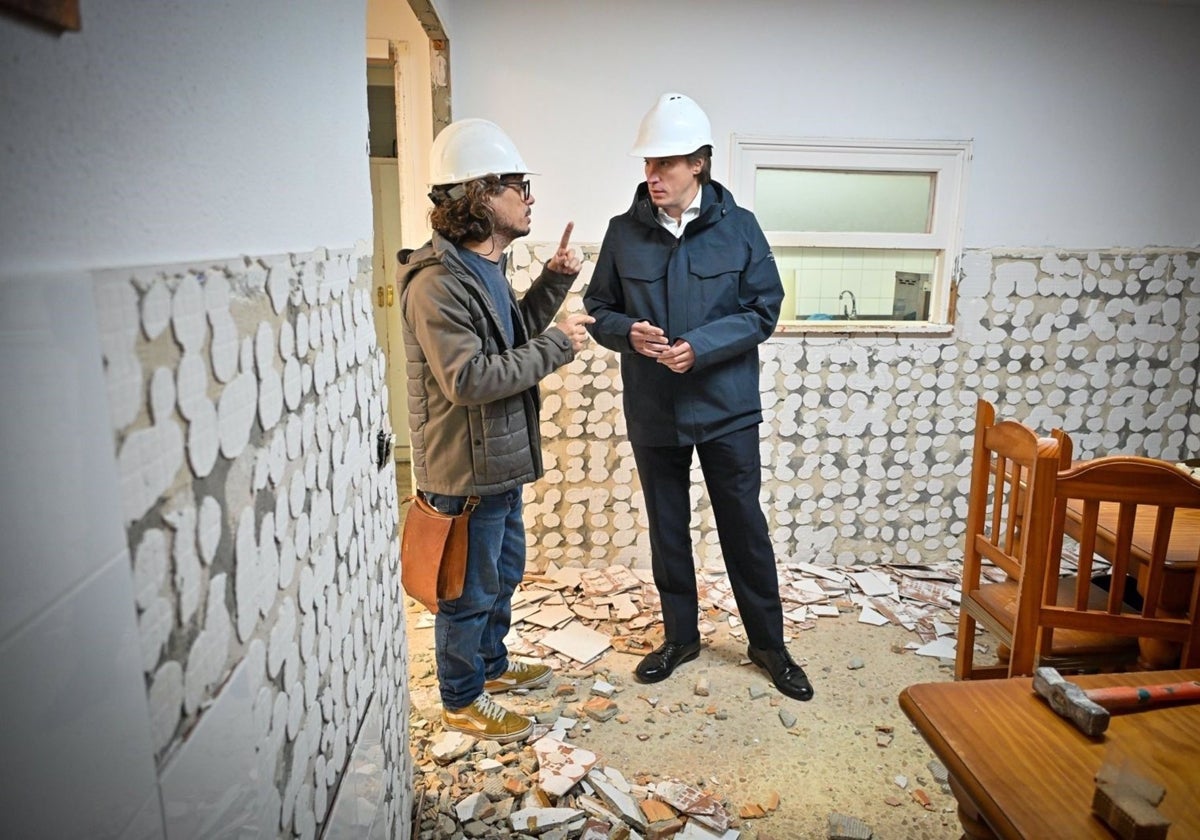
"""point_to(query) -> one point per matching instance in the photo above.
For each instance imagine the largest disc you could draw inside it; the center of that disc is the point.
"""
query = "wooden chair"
(1009, 519)
(1086, 632)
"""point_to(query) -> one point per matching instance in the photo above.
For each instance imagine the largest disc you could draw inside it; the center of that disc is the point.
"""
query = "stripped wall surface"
(248, 399)
(866, 440)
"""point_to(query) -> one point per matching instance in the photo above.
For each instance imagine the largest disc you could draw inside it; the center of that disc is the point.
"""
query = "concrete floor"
(837, 757)
(850, 750)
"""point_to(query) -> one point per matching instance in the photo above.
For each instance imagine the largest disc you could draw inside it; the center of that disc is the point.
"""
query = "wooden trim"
(54, 14)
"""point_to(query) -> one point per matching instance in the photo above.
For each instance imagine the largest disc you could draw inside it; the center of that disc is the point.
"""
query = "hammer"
(1088, 709)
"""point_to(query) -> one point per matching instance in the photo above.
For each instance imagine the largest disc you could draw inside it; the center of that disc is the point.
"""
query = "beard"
(511, 229)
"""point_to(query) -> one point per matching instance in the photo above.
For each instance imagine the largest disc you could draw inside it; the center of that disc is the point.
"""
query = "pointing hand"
(564, 260)
(575, 328)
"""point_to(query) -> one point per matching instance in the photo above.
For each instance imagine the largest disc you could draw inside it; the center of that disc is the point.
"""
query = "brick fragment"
(657, 810)
(663, 829)
(1146, 788)
(922, 798)
(600, 708)
(1130, 816)
(751, 811)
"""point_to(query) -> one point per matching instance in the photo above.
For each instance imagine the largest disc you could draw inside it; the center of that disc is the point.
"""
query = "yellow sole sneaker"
(488, 720)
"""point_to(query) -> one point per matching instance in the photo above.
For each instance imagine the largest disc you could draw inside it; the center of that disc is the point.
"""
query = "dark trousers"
(733, 476)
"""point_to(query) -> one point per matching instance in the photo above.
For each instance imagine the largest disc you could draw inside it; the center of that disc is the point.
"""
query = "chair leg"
(964, 653)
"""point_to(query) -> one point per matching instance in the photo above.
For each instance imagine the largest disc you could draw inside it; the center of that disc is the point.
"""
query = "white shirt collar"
(691, 212)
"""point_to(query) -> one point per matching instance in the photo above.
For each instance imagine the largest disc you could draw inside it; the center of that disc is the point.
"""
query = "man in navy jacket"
(685, 289)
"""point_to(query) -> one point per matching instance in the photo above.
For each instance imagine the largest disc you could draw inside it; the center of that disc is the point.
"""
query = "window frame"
(947, 159)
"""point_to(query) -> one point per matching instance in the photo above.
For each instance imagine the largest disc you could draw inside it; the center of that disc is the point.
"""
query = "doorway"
(397, 220)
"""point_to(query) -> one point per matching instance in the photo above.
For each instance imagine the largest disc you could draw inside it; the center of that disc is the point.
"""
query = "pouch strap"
(471, 504)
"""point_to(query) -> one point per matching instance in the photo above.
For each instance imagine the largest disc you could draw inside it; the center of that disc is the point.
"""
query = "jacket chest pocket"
(643, 283)
(642, 266)
(715, 275)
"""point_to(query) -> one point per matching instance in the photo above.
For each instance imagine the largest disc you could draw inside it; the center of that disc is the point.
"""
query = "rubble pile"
(549, 787)
(567, 617)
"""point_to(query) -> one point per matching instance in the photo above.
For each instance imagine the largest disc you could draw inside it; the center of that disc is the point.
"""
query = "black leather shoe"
(659, 664)
(785, 673)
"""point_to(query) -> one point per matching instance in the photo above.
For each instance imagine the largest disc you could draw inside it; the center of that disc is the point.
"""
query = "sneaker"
(519, 675)
(487, 719)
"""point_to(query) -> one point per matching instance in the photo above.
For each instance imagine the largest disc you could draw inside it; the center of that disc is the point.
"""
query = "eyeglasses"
(523, 187)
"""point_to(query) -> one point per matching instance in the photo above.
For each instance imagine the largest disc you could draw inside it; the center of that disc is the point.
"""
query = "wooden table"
(1182, 550)
(1180, 570)
(1019, 770)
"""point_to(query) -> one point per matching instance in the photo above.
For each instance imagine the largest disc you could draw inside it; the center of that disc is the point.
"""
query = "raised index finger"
(566, 237)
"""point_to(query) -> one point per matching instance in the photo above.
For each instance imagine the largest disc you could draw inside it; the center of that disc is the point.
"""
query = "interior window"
(866, 234)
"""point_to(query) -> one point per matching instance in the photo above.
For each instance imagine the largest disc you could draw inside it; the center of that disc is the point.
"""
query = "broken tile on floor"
(577, 641)
(561, 765)
(540, 820)
(873, 584)
(846, 827)
(942, 648)
(568, 617)
(552, 615)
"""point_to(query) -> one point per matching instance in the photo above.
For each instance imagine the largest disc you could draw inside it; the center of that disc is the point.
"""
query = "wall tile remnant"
(246, 397)
(866, 441)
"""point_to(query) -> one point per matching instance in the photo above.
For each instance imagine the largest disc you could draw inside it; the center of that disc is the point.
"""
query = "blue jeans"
(469, 631)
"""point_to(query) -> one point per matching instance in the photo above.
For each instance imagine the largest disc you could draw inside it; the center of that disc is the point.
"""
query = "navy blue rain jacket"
(717, 288)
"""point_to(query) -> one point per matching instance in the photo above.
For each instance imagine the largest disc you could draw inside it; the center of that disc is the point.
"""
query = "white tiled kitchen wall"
(814, 278)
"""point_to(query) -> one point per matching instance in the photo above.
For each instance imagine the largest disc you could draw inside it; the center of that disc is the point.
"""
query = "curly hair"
(461, 212)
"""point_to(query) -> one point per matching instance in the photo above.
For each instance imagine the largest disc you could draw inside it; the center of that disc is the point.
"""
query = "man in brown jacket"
(475, 355)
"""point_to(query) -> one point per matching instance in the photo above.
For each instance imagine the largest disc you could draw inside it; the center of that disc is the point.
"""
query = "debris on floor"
(566, 617)
(549, 788)
(844, 827)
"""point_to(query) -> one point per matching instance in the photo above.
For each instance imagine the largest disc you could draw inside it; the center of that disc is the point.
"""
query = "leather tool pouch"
(433, 551)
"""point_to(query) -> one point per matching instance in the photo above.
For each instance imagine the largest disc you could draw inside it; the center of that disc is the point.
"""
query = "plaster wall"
(182, 131)
(1082, 115)
(200, 622)
(1078, 300)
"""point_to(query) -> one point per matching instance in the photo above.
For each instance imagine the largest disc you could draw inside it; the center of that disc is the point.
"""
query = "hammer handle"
(1131, 697)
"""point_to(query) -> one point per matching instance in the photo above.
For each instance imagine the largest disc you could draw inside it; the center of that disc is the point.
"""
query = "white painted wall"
(164, 132)
(1084, 115)
(174, 130)
(394, 20)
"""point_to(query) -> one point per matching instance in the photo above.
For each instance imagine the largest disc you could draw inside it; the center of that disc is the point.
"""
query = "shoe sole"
(493, 688)
(483, 736)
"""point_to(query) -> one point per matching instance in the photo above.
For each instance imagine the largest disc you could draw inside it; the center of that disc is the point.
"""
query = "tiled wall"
(814, 279)
(261, 531)
(866, 440)
(247, 398)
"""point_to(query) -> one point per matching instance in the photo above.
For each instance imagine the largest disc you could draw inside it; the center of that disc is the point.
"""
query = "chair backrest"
(1143, 516)
(1009, 516)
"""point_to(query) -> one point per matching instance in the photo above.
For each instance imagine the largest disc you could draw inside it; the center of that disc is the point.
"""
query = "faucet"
(850, 311)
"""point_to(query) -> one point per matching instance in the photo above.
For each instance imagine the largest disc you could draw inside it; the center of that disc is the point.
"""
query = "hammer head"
(1070, 701)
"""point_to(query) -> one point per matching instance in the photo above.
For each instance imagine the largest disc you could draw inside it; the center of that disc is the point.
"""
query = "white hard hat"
(472, 148)
(674, 126)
